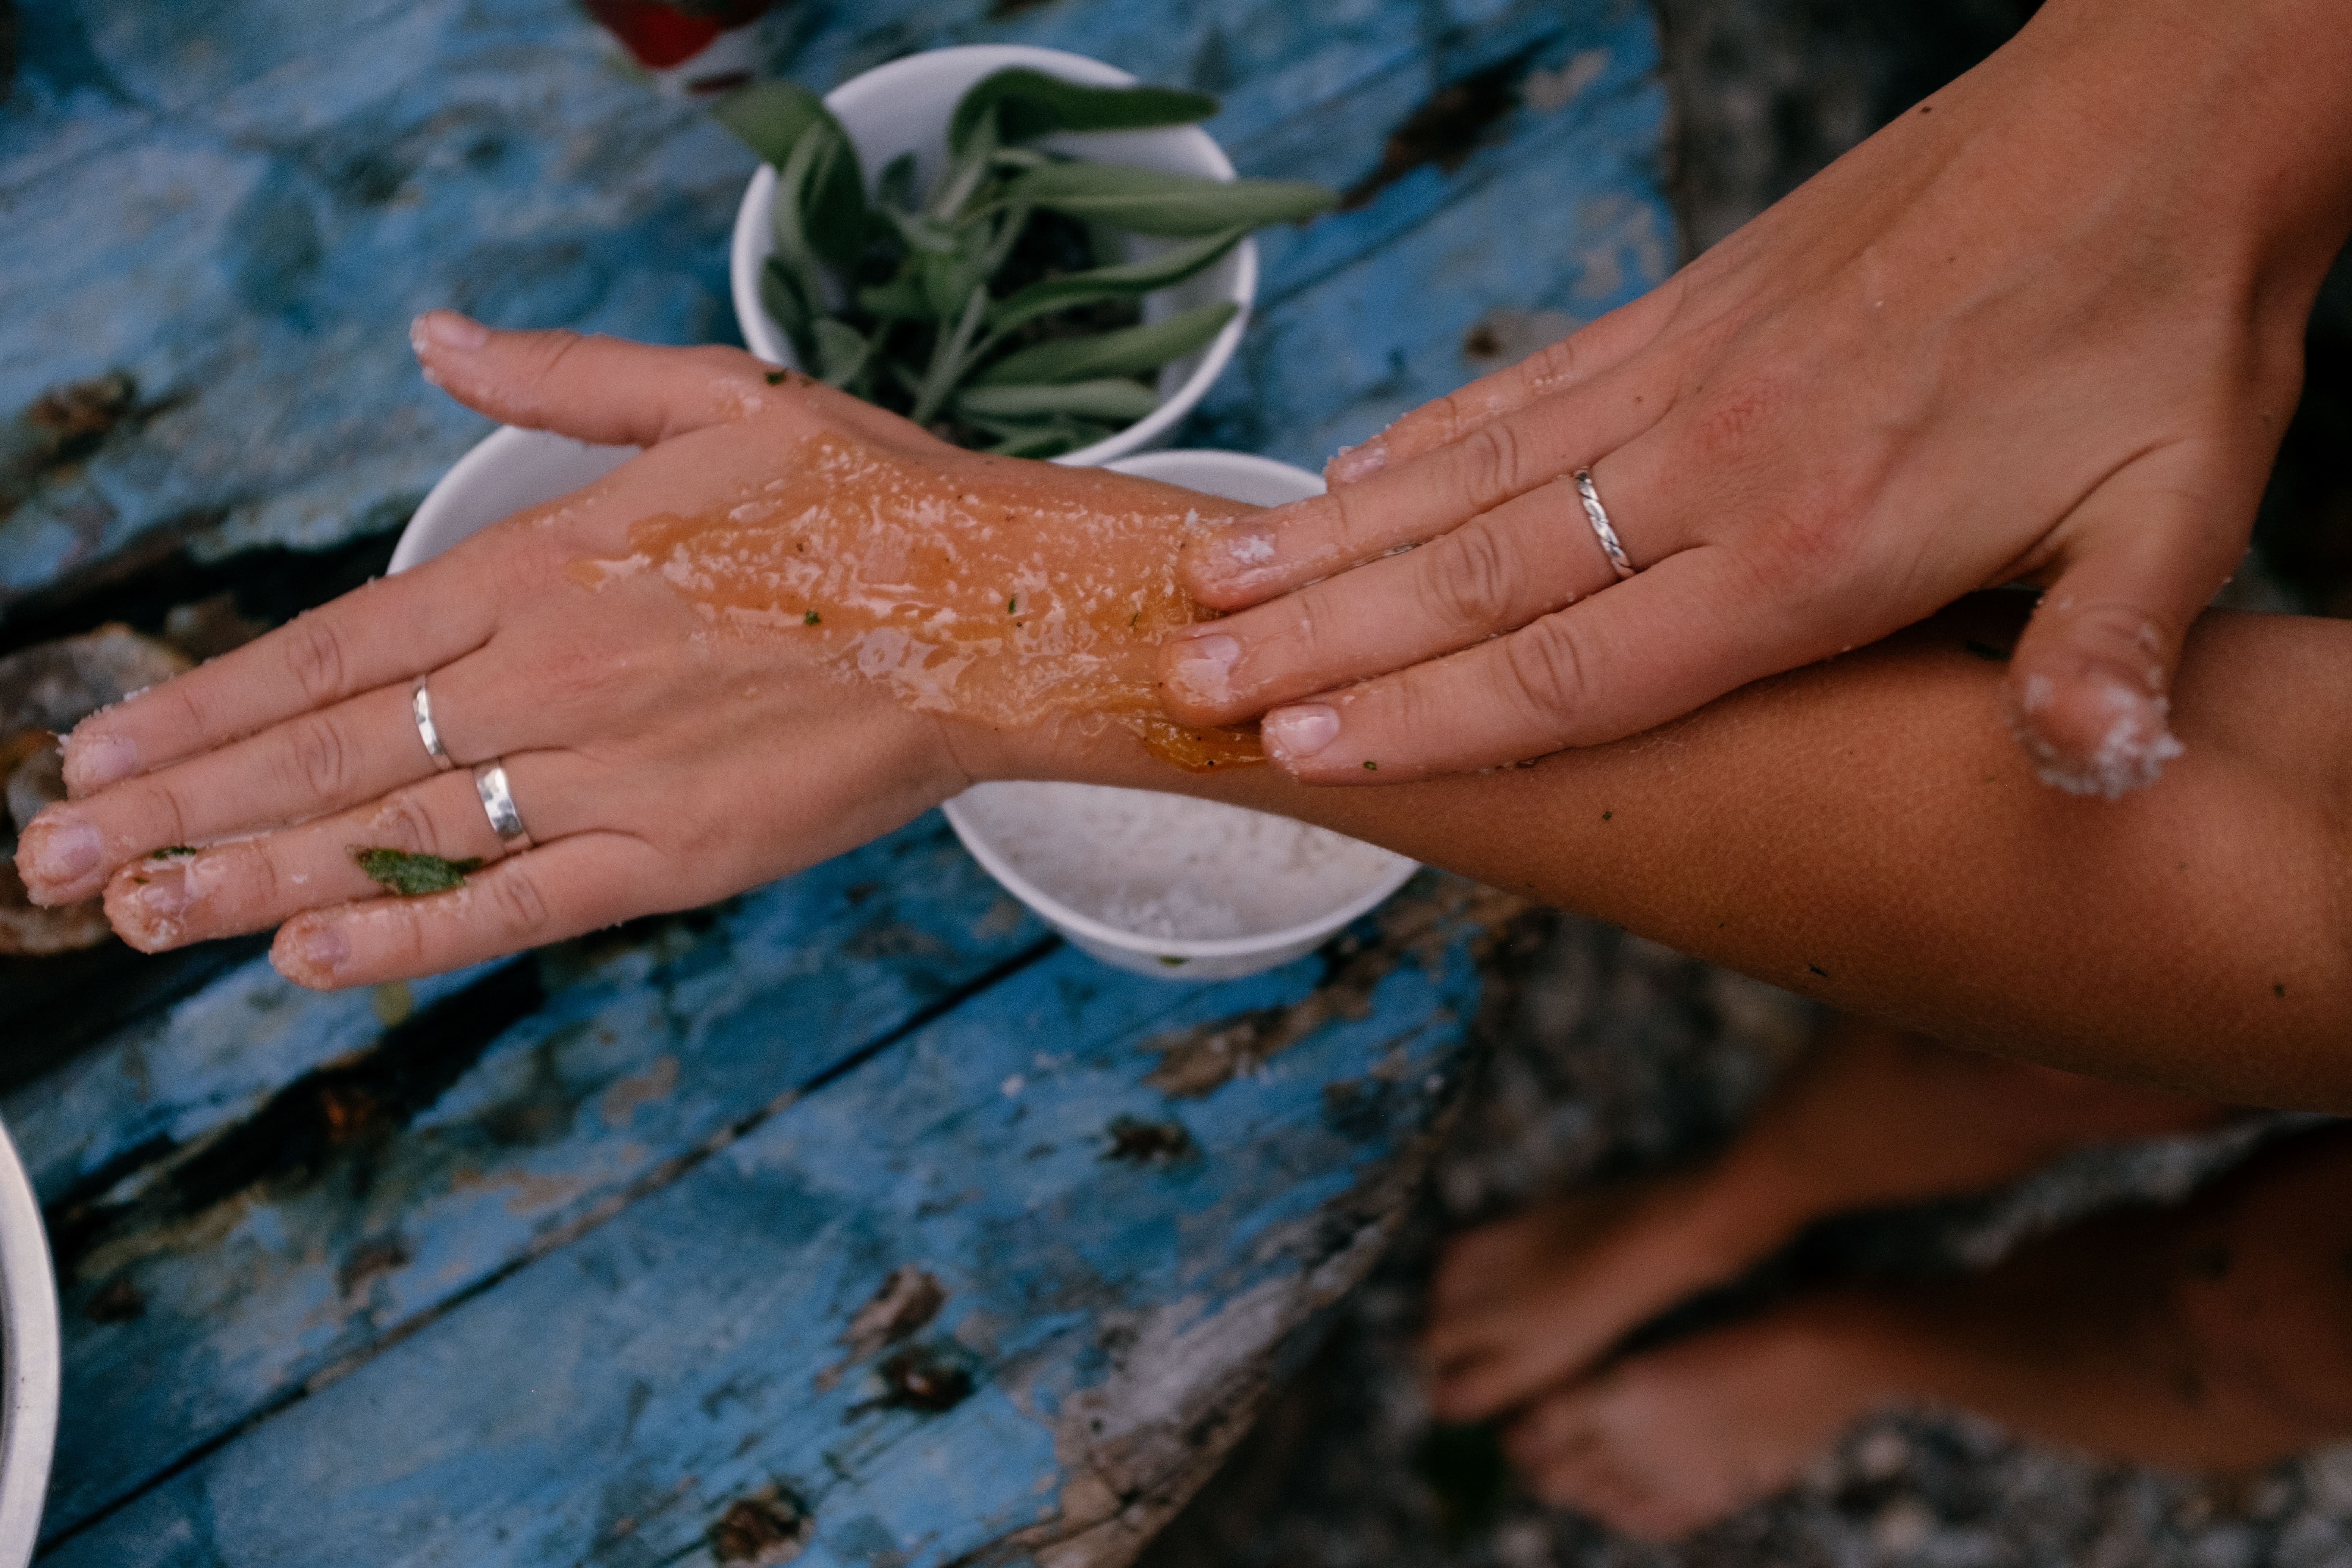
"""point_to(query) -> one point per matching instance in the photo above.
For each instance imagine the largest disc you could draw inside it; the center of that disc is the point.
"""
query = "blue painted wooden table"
(856, 1219)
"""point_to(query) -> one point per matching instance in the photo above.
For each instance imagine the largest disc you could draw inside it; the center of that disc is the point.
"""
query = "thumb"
(608, 391)
(2090, 683)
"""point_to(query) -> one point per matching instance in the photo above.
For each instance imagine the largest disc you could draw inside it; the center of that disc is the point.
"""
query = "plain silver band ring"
(1597, 516)
(498, 804)
(420, 708)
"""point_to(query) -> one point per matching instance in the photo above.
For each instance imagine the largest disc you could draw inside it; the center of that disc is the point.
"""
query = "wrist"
(2231, 118)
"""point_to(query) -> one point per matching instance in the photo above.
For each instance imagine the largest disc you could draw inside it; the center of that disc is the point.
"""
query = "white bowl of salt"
(1164, 884)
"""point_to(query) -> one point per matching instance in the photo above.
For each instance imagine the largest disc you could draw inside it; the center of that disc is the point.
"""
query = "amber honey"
(1027, 592)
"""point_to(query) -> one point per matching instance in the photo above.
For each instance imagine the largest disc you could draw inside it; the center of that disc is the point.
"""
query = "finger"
(310, 764)
(164, 901)
(561, 890)
(2089, 683)
(1277, 550)
(1655, 647)
(1577, 358)
(617, 393)
(388, 631)
(609, 391)
(1532, 555)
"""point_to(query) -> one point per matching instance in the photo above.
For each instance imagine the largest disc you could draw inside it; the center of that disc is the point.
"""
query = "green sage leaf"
(1024, 104)
(779, 119)
(1128, 352)
(770, 116)
(900, 299)
(1051, 438)
(781, 293)
(820, 202)
(1113, 398)
(411, 874)
(896, 188)
(1178, 263)
(1145, 201)
(841, 351)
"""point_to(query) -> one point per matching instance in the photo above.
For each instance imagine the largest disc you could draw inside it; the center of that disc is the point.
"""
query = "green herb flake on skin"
(1371, 767)
(1607, 815)
(811, 618)
(412, 876)
(172, 852)
(1011, 606)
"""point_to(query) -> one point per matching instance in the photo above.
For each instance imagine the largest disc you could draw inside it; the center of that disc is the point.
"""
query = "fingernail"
(1301, 731)
(449, 330)
(160, 889)
(1349, 464)
(1203, 667)
(2111, 737)
(1238, 552)
(57, 850)
(309, 952)
(94, 762)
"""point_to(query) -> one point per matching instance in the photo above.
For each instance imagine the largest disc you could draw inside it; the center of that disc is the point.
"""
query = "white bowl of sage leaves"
(1020, 248)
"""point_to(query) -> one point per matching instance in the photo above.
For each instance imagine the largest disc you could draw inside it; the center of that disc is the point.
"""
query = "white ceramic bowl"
(1163, 884)
(1155, 883)
(507, 470)
(29, 1360)
(903, 107)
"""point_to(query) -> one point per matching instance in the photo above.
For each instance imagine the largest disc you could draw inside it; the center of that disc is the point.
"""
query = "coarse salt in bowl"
(903, 107)
(1165, 884)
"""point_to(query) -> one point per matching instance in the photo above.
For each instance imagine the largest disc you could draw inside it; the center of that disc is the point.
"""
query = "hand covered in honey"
(792, 624)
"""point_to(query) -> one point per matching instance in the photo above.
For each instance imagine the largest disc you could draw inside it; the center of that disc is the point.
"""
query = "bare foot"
(1528, 1300)
(1668, 1443)
(1870, 1117)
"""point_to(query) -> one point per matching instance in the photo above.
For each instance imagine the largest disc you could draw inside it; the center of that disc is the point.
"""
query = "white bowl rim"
(29, 1342)
(745, 254)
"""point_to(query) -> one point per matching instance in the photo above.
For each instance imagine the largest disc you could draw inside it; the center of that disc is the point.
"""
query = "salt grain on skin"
(2132, 747)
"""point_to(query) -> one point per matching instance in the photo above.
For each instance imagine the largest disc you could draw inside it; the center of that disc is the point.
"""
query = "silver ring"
(498, 804)
(1597, 516)
(420, 708)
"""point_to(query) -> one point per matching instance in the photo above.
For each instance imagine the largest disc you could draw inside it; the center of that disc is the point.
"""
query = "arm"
(1862, 830)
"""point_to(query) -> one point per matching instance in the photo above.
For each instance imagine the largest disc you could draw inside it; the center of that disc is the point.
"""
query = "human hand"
(657, 764)
(2046, 329)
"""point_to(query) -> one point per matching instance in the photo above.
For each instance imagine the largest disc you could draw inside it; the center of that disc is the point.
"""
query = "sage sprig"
(999, 304)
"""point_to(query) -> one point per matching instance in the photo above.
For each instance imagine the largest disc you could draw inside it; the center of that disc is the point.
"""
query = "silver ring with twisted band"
(420, 708)
(498, 805)
(1597, 516)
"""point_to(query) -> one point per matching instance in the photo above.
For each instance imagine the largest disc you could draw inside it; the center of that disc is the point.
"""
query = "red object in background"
(661, 36)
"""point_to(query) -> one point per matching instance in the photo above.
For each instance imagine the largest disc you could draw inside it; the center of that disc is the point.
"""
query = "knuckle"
(1467, 584)
(1731, 422)
(1545, 671)
(321, 757)
(314, 657)
(1491, 464)
(519, 904)
(402, 821)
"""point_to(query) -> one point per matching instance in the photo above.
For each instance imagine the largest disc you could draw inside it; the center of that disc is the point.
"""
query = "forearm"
(1864, 831)
(2236, 114)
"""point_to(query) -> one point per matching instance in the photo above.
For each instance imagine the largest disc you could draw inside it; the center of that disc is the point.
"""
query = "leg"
(2216, 1336)
(1872, 1117)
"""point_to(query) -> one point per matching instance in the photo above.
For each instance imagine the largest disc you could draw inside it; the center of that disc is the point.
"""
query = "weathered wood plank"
(329, 1180)
(261, 201)
(1372, 312)
(611, 1402)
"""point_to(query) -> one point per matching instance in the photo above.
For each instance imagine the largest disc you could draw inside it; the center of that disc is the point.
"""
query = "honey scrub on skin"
(1048, 593)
